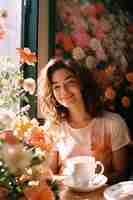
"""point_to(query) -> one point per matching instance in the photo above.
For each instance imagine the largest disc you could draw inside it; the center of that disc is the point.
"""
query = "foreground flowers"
(24, 156)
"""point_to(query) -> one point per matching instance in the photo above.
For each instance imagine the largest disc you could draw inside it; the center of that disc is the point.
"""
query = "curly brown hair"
(89, 90)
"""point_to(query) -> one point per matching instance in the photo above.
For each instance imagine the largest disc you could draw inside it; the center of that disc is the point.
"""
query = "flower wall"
(99, 35)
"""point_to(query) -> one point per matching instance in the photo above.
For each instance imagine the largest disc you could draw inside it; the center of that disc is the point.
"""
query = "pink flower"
(100, 54)
(89, 10)
(94, 21)
(81, 39)
(100, 34)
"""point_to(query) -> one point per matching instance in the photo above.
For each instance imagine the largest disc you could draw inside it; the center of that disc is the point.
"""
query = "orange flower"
(38, 139)
(129, 77)
(39, 192)
(26, 56)
(109, 70)
(125, 101)
(9, 137)
(21, 127)
(110, 93)
(68, 44)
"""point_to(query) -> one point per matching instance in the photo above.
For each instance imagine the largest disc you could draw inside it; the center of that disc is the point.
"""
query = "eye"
(72, 82)
(56, 87)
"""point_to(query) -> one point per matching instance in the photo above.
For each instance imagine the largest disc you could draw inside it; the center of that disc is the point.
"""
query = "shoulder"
(114, 118)
(118, 129)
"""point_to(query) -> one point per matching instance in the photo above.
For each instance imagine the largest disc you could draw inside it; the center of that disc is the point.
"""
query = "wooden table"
(67, 194)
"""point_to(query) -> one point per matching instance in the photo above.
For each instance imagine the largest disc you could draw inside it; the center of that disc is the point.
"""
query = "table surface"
(67, 194)
(93, 195)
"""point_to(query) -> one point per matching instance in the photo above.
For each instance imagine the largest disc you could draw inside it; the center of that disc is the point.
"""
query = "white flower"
(33, 183)
(95, 44)
(16, 157)
(78, 53)
(7, 119)
(90, 62)
(29, 85)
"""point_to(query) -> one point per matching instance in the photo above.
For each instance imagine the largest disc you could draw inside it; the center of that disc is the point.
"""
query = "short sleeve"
(119, 132)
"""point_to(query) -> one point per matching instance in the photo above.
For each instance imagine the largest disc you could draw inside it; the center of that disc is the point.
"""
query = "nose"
(64, 90)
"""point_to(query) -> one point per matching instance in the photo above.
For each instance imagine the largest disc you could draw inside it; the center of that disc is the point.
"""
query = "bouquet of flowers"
(99, 35)
(24, 157)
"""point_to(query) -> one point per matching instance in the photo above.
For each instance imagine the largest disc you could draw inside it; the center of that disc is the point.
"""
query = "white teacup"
(83, 169)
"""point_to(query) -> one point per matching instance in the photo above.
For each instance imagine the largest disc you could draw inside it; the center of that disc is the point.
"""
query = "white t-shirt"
(100, 138)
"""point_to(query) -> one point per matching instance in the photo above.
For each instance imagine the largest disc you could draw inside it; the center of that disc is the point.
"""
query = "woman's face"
(66, 88)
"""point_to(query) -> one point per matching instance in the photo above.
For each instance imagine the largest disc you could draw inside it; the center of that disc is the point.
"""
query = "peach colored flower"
(100, 54)
(129, 77)
(110, 93)
(88, 10)
(125, 101)
(91, 9)
(26, 56)
(38, 138)
(29, 85)
(8, 137)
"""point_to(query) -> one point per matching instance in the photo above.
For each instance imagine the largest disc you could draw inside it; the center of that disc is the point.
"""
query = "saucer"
(120, 191)
(98, 182)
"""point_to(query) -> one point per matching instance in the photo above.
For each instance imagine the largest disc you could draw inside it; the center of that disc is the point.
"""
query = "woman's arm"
(54, 162)
(119, 162)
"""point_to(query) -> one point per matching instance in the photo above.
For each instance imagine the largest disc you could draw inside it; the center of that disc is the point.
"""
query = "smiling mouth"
(67, 98)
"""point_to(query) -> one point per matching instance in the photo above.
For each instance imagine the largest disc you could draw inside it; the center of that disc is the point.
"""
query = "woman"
(70, 101)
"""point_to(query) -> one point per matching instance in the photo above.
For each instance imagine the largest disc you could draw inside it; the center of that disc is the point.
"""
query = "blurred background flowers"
(14, 87)
(99, 35)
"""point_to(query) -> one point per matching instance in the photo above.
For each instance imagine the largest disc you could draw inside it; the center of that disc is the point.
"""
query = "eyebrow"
(67, 77)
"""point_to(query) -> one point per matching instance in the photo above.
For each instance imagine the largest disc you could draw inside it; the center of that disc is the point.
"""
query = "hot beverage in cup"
(84, 169)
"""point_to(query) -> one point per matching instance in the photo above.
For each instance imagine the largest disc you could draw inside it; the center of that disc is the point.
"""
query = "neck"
(78, 117)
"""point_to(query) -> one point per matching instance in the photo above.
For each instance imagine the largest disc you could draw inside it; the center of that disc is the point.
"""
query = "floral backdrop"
(99, 35)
